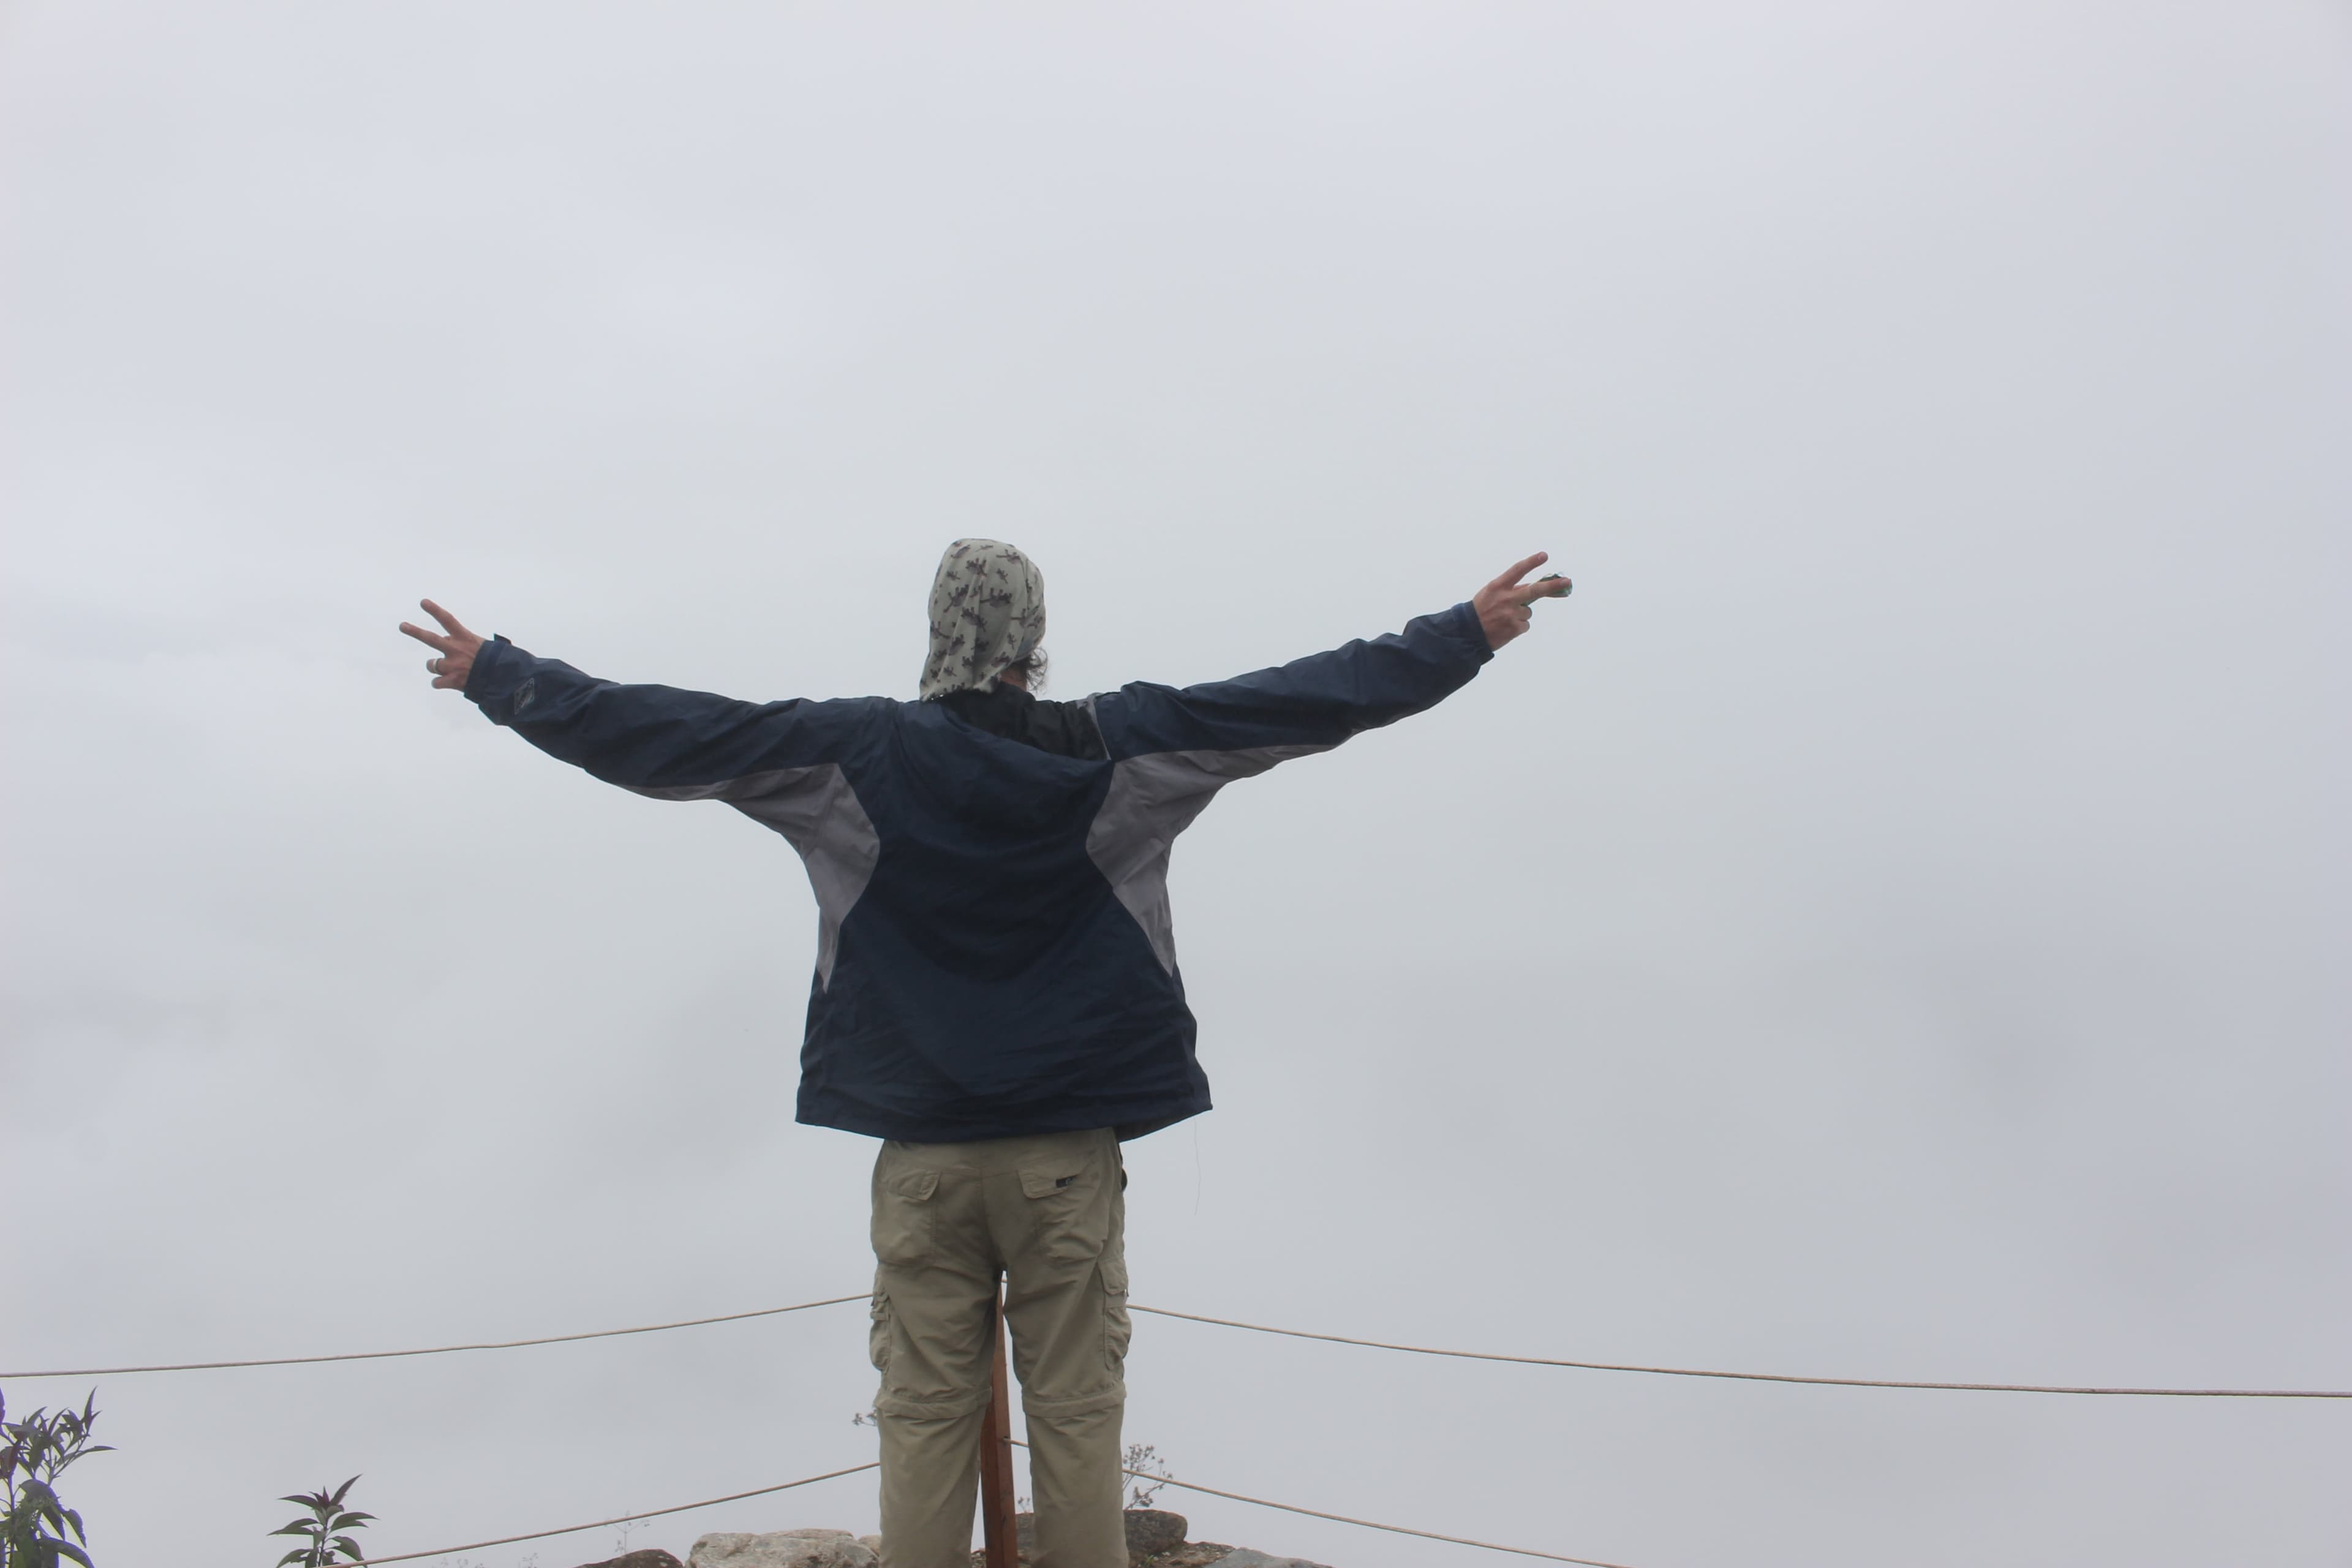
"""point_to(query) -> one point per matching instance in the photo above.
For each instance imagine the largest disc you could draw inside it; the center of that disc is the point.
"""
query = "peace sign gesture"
(457, 648)
(1503, 604)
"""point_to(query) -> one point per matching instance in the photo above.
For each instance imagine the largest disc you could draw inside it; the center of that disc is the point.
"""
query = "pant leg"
(934, 1295)
(1061, 1221)
(1048, 1211)
(930, 1482)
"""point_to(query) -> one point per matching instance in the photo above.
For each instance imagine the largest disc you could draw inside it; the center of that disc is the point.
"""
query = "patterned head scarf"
(988, 613)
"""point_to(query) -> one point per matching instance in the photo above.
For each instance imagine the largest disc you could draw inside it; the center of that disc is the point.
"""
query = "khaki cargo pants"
(1047, 1214)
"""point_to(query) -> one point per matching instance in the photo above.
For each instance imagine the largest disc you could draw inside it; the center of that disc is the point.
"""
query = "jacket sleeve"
(1311, 704)
(656, 740)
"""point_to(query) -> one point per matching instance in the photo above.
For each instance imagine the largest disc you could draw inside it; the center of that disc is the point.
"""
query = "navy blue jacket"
(994, 956)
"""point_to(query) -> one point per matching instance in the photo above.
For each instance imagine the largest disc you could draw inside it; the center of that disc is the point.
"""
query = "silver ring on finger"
(434, 665)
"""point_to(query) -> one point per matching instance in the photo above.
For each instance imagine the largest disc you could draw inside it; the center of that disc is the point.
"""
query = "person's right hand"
(457, 648)
(1503, 604)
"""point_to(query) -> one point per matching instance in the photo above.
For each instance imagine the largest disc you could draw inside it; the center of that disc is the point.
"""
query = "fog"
(1890, 922)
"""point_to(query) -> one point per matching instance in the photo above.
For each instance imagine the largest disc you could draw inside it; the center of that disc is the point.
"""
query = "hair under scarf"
(988, 614)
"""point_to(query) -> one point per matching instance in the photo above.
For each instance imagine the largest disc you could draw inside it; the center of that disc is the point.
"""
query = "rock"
(1191, 1554)
(1245, 1558)
(872, 1543)
(783, 1549)
(1151, 1530)
(646, 1558)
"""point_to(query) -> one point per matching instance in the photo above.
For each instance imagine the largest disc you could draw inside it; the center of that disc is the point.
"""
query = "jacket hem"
(1129, 1121)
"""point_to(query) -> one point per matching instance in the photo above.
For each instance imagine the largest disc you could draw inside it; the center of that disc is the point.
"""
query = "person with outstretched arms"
(996, 993)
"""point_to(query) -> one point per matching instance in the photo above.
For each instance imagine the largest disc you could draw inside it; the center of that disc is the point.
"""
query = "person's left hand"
(457, 648)
(1503, 604)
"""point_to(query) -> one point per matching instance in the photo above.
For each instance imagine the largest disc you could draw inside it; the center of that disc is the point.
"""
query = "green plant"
(33, 1523)
(327, 1516)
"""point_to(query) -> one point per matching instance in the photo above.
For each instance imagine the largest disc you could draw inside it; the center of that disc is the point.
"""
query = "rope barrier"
(1346, 1519)
(1375, 1524)
(624, 1518)
(1393, 1529)
(871, 1464)
(1767, 1376)
(1262, 1328)
(436, 1350)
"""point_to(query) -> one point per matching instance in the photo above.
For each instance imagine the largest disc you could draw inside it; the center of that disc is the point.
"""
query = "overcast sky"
(1891, 922)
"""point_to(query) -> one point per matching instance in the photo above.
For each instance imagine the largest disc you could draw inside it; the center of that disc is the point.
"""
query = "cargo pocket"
(904, 1215)
(1118, 1327)
(878, 1334)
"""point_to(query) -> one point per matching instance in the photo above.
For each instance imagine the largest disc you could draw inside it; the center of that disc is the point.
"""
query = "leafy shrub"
(33, 1522)
(327, 1516)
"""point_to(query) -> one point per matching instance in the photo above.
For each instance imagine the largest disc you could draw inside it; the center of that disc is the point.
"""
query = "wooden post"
(996, 1458)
